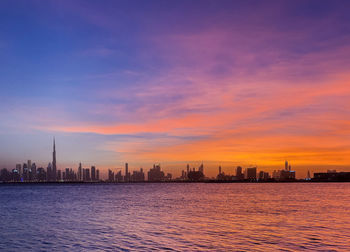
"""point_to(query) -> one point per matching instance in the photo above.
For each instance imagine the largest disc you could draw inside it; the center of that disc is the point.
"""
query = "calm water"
(181, 217)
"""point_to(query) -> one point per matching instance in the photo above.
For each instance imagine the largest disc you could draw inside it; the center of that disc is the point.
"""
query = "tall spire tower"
(54, 168)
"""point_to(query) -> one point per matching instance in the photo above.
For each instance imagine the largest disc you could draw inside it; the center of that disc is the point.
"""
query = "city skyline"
(229, 83)
(53, 171)
(31, 172)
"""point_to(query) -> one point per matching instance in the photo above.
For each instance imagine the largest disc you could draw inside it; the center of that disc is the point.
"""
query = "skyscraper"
(239, 173)
(93, 173)
(80, 175)
(201, 168)
(97, 174)
(29, 165)
(49, 172)
(29, 174)
(127, 174)
(54, 168)
(19, 169)
(250, 173)
(33, 171)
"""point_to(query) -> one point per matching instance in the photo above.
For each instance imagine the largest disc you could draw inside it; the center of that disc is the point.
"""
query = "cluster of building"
(331, 176)
(192, 174)
(29, 172)
(251, 174)
(155, 174)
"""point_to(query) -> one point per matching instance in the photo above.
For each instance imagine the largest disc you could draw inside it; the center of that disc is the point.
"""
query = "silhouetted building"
(127, 173)
(332, 177)
(195, 175)
(29, 170)
(5, 175)
(138, 176)
(19, 169)
(80, 173)
(15, 177)
(98, 175)
(33, 169)
(284, 175)
(263, 176)
(250, 173)
(118, 177)
(308, 176)
(86, 175)
(239, 173)
(201, 168)
(41, 174)
(168, 177)
(59, 175)
(93, 173)
(49, 172)
(183, 175)
(54, 168)
(155, 174)
(110, 176)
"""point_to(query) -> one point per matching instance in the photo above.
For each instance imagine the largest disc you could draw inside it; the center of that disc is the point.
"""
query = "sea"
(175, 217)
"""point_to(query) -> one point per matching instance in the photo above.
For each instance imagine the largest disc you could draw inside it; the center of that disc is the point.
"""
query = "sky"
(174, 82)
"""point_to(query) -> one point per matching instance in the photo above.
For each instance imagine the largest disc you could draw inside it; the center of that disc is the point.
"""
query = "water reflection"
(179, 217)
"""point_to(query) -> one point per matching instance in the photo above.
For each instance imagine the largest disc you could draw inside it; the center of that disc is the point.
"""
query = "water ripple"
(175, 217)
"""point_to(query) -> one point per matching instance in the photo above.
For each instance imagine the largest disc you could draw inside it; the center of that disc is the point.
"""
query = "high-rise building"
(110, 176)
(239, 173)
(41, 174)
(59, 175)
(201, 168)
(19, 169)
(87, 171)
(155, 174)
(49, 172)
(54, 168)
(263, 176)
(29, 165)
(127, 173)
(25, 171)
(33, 171)
(93, 173)
(80, 175)
(67, 175)
(84, 175)
(97, 174)
(251, 173)
(118, 177)
(138, 176)
(284, 175)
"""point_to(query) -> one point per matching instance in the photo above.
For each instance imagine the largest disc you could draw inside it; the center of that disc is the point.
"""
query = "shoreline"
(163, 182)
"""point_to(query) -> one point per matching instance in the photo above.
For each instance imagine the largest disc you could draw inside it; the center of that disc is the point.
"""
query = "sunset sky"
(175, 82)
